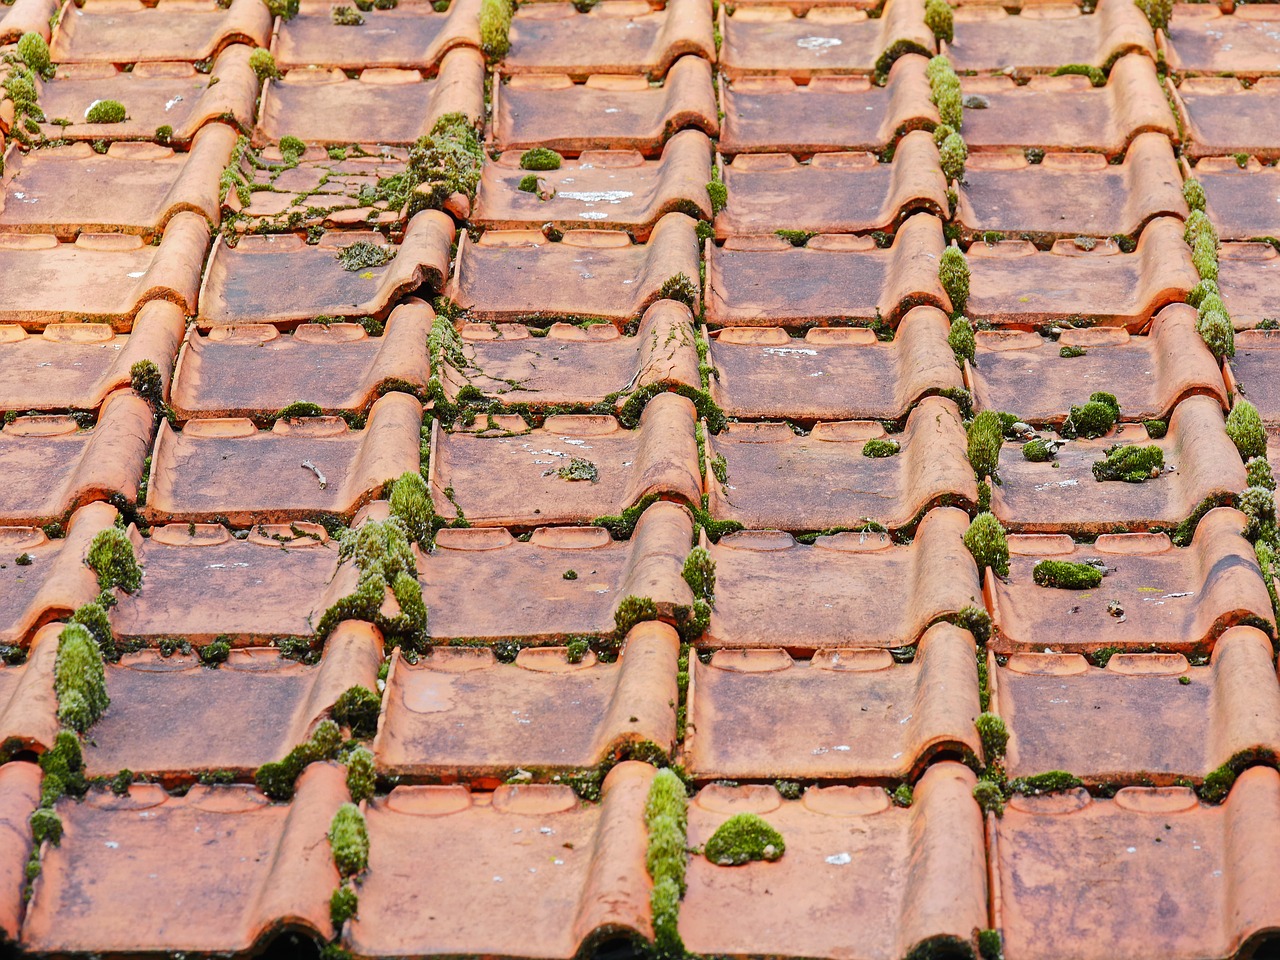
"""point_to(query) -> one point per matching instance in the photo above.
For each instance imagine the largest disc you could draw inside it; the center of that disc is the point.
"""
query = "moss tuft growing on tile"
(666, 819)
(717, 191)
(680, 288)
(953, 152)
(263, 65)
(1244, 427)
(953, 273)
(79, 679)
(1216, 330)
(1158, 12)
(93, 616)
(349, 840)
(990, 945)
(357, 709)
(362, 778)
(343, 906)
(579, 469)
(1193, 193)
(410, 502)
(1258, 472)
(276, 778)
(986, 436)
(1093, 419)
(994, 736)
(540, 158)
(35, 54)
(878, 448)
(700, 573)
(632, 610)
(988, 543)
(344, 16)
(1037, 450)
(528, 183)
(1130, 464)
(961, 340)
(363, 255)
(940, 20)
(945, 92)
(495, 28)
(1066, 575)
(742, 838)
(1258, 504)
(106, 111)
(45, 825)
(111, 557)
(1096, 76)
(445, 162)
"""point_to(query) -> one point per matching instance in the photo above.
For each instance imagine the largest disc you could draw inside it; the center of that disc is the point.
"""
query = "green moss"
(632, 610)
(953, 152)
(24, 560)
(362, 778)
(410, 502)
(1193, 193)
(939, 19)
(1216, 330)
(903, 795)
(1244, 427)
(1198, 225)
(357, 709)
(1204, 256)
(953, 272)
(988, 543)
(292, 149)
(540, 158)
(45, 825)
(1156, 429)
(528, 183)
(363, 255)
(1158, 12)
(1054, 781)
(276, 779)
(495, 28)
(1066, 575)
(717, 192)
(986, 435)
(990, 945)
(79, 679)
(961, 340)
(216, 652)
(343, 906)
(35, 53)
(742, 838)
(1069, 353)
(344, 16)
(146, 381)
(575, 651)
(1219, 783)
(990, 797)
(1096, 76)
(1258, 473)
(797, 238)
(974, 619)
(994, 736)
(1093, 419)
(445, 162)
(666, 820)
(106, 111)
(284, 9)
(878, 448)
(349, 840)
(1201, 290)
(1258, 504)
(1266, 556)
(93, 616)
(1130, 464)
(680, 288)
(263, 64)
(579, 469)
(700, 573)
(945, 91)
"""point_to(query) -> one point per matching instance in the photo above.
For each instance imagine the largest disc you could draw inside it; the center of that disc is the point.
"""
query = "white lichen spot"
(839, 859)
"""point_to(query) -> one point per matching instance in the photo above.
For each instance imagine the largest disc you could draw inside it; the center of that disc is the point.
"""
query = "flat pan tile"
(759, 575)
(1221, 116)
(1203, 39)
(1239, 200)
(111, 31)
(1255, 371)
(1246, 277)
(823, 480)
(845, 714)
(410, 35)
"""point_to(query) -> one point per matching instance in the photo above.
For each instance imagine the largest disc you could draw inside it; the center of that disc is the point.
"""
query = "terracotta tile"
(774, 114)
(1039, 498)
(154, 94)
(833, 192)
(762, 372)
(134, 187)
(764, 280)
(284, 280)
(1064, 714)
(839, 40)
(117, 31)
(1203, 39)
(1255, 371)
(200, 583)
(49, 466)
(1045, 36)
(1216, 126)
(28, 705)
(1026, 374)
(615, 36)
(843, 575)
(164, 711)
(1016, 285)
(660, 456)
(26, 16)
(1071, 194)
(577, 366)
(19, 796)
(800, 7)
(1171, 598)
(227, 469)
(601, 189)
(860, 878)
(101, 277)
(410, 35)
(318, 192)
(75, 366)
(846, 714)
(1239, 199)
(604, 113)
(107, 888)
(559, 872)
(504, 276)
(461, 714)
(382, 105)
(1068, 113)
(481, 584)
(822, 480)
(56, 582)
(1246, 277)
(1106, 875)
(253, 370)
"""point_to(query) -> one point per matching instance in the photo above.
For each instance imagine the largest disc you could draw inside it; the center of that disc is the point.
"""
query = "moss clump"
(1258, 472)
(990, 946)
(35, 53)
(146, 381)
(1132, 464)
(945, 92)
(961, 340)
(299, 410)
(579, 469)
(1258, 504)
(357, 708)
(994, 736)
(1156, 429)
(903, 796)
(344, 16)
(878, 448)
(575, 651)
(45, 825)
(1037, 451)
(111, 557)
(632, 610)
(1244, 427)
(93, 616)
(1193, 193)
(1055, 781)
(953, 272)
(1158, 12)
(106, 111)
(742, 838)
(1266, 557)
(1198, 225)
(276, 778)
(680, 288)
(1094, 418)
(1066, 575)
(363, 255)
(79, 679)
(63, 769)
(216, 652)
(939, 19)
(1070, 353)
(362, 778)
(986, 435)
(263, 65)
(1096, 76)
(495, 28)
(953, 152)
(349, 840)
(1216, 330)
(1201, 290)
(540, 158)
(284, 9)
(1204, 256)
(666, 819)
(292, 149)
(700, 573)
(445, 162)
(343, 906)
(410, 503)
(717, 192)
(988, 543)
(528, 183)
